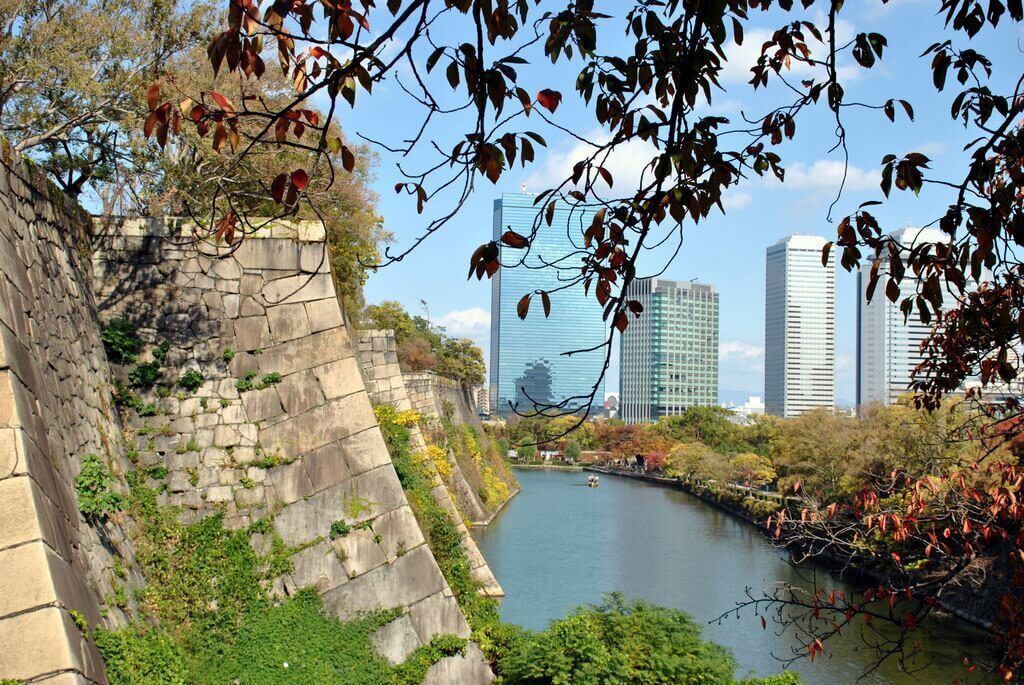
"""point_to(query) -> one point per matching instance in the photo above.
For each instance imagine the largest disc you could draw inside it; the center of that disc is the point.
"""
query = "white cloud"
(474, 323)
(626, 163)
(739, 350)
(828, 174)
(735, 199)
(932, 148)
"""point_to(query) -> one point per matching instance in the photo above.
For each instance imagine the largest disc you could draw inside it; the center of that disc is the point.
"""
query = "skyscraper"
(669, 356)
(800, 327)
(888, 349)
(527, 360)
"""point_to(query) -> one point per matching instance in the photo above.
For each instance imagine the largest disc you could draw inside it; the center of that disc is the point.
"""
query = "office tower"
(888, 349)
(669, 356)
(800, 327)
(527, 356)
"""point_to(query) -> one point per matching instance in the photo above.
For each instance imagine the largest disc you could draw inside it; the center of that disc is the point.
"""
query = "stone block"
(365, 450)
(317, 566)
(323, 314)
(252, 333)
(398, 530)
(313, 350)
(261, 405)
(438, 614)
(299, 392)
(288, 321)
(23, 509)
(48, 642)
(282, 255)
(250, 284)
(219, 493)
(470, 667)
(358, 551)
(396, 640)
(326, 466)
(291, 483)
(314, 258)
(37, 576)
(339, 378)
(299, 288)
(408, 580)
(319, 426)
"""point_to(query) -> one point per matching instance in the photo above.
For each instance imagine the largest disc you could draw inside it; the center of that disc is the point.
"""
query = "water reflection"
(559, 544)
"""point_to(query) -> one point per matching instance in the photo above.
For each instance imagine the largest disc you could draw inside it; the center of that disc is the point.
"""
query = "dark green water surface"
(559, 544)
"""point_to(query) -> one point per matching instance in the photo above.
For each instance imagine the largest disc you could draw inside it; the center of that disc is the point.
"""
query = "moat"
(560, 544)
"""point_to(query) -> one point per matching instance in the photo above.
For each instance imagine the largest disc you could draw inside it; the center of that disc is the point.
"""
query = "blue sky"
(727, 250)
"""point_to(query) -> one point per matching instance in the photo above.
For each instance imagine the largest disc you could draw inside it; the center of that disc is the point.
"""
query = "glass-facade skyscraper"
(669, 356)
(527, 359)
(799, 327)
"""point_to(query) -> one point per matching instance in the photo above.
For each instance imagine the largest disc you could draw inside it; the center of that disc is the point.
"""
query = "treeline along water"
(560, 544)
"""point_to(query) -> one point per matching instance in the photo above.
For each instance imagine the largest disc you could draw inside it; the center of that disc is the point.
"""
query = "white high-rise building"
(668, 359)
(800, 327)
(888, 349)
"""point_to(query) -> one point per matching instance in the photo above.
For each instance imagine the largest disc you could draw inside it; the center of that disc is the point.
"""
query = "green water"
(559, 544)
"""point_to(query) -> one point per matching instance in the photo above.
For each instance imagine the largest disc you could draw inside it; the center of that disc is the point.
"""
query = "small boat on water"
(592, 481)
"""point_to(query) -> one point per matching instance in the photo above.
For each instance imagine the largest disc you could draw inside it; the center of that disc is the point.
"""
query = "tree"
(753, 469)
(709, 425)
(463, 361)
(74, 78)
(572, 451)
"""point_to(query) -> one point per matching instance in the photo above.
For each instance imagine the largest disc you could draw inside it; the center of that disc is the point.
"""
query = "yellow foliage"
(495, 489)
(440, 459)
(387, 414)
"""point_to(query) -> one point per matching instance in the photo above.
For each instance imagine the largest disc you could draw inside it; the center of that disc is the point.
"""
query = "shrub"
(339, 529)
(144, 375)
(619, 642)
(245, 383)
(160, 353)
(124, 397)
(190, 380)
(228, 354)
(269, 379)
(121, 342)
(93, 488)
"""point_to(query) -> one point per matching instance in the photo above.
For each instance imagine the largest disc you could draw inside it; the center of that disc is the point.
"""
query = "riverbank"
(842, 569)
(549, 467)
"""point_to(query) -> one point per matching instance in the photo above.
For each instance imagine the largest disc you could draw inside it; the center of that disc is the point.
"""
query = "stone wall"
(54, 410)
(378, 361)
(445, 399)
(281, 424)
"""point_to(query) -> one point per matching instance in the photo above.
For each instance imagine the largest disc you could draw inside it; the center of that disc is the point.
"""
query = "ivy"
(120, 341)
(94, 489)
(190, 380)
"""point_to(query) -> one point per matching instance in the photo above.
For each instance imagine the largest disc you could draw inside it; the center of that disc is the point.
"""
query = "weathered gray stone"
(305, 353)
(339, 378)
(300, 392)
(327, 423)
(358, 551)
(399, 532)
(287, 322)
(396, 640)
(301, 288)
(252, 333)
(291, 482)
(436, 615)
(408, 580)
(317, 566)
(326, 466)
(323, 314)
(262, 404)
(219, 493)
(470, 667)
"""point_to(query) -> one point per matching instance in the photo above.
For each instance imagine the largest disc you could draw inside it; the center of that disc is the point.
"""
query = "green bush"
(121, 342)
(245, 384)
(133, 656)
(144, 375)
(94, 489)
(623, 642)
(124, 397)
(160, 352)
(190, 380)
(269, 379)
(228, 354)
(339, 529)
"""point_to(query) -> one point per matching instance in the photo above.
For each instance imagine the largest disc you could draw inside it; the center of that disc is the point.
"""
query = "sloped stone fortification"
(378, 361)
(54, 409)
(438, 397)
(281, 423)
(305, 448)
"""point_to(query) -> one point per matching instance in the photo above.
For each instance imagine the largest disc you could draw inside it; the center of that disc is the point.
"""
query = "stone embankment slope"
(301, 445)
(385, 384)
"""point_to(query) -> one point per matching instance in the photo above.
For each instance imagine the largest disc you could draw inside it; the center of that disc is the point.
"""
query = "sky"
(727, 250)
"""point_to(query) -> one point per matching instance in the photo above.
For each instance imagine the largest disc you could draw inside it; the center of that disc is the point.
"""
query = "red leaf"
(300, 178)
(549, 99)
(278, 187)
(513, 239)
(153, 95)
(224, 103)
(523, 308)
(546, 301)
